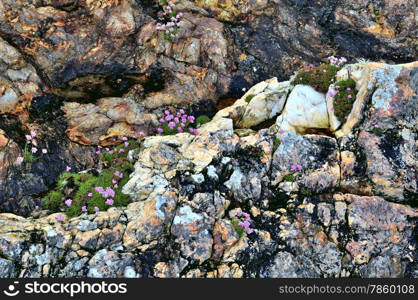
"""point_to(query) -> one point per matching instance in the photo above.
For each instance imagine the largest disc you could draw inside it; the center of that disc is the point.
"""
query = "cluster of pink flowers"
(244, 221)
(334, 90)
(337, 62)
(172, 19)
(296, 168)
(108, 192)
(32, 144)
(177, 122)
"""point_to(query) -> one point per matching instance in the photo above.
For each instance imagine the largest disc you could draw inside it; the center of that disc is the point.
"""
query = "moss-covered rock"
(319, 77)
(81, 188)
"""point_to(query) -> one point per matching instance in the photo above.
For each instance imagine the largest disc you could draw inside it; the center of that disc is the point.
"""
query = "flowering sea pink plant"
(30, 149)
(109, 201)
(337, 62)
(243, 220)
(170, 20)
(296, 168)
(177, 122)
(118, 174)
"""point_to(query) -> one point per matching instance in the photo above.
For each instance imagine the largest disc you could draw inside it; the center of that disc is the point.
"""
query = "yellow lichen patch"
(243, 56)
(95, 4)
(225, 10)
(378, 29)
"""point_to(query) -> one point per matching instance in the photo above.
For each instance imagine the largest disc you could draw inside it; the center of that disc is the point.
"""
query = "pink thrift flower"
(191, 119)
(67, 169)
(299, 167)
(118, 174)
(179, 129)
(141, 133)
(100, 190)
(59, 218)
(166, 112)
(96, 209)
(246, 216)
(68, 202)
(244, 224)
(349, 96)
(109, 201)
(121, 150)
(98, 152)
(19, 159)
(114, 181)
(34, 150)
(90, 194)
(126, 144)
(44, 151)
(34, 143)
(84, 209)
(124, 138)
(28, 137)
(249, 230)
(160, 130)
(109, 192)
(33, 133)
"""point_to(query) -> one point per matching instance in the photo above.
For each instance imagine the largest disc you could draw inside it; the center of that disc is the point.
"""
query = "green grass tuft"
(289, 178)
(238, 229)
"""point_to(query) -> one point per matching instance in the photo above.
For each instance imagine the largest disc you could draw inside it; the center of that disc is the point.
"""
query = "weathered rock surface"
(321, 196)
(22, 184)
(19, 82)
(86, 49)
(93, 124)
(305, 108)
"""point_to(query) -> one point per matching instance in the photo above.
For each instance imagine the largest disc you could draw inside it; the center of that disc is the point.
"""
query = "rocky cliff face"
(324, 198)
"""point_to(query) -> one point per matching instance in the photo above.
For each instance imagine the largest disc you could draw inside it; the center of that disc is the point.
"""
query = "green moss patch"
(344, 99)
(289, 178)
(81, 187)
(276, 143)
(319, 77)
(249, 98)
(203, 119)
